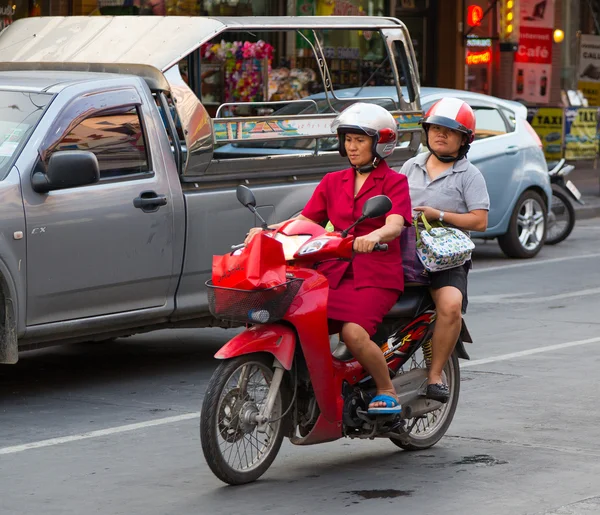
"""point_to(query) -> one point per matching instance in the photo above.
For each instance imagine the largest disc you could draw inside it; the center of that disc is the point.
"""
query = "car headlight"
(312, 246)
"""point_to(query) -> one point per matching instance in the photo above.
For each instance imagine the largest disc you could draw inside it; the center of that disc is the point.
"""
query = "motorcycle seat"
(414, 299)
(409, 303)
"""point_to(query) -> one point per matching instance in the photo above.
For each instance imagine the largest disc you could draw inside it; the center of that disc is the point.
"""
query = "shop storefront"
(480, 48)
(420, 17)
(283, 66)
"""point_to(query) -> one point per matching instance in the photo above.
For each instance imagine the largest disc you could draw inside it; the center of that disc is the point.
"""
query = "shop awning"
(157, 41)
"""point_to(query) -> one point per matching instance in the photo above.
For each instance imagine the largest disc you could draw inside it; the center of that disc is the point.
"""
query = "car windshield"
(19, 113)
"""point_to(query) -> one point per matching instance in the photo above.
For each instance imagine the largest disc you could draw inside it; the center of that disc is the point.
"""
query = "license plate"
(573, 189)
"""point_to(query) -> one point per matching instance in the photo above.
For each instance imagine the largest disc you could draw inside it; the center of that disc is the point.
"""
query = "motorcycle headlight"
(312, 246)
(291, 244)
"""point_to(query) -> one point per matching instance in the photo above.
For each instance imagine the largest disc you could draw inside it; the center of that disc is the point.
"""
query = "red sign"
(535, 46)
(474, 15)
(479, 57)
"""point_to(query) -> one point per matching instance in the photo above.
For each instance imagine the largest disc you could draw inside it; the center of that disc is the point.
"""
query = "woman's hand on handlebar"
(251, 233)
(366, 244)
(255, 230)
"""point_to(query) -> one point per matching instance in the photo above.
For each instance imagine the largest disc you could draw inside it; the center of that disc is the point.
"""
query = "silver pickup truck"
(113, 194)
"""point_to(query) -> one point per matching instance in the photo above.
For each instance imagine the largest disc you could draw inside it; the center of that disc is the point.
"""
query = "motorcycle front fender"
(276, 339)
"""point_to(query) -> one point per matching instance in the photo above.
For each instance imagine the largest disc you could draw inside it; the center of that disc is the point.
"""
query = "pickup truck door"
(107, 247)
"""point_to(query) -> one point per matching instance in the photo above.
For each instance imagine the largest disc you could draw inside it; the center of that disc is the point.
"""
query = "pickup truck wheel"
(527, 227)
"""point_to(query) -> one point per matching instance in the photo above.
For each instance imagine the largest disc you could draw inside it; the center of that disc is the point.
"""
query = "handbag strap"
(428, 226)
(425, 222)
(416, 226)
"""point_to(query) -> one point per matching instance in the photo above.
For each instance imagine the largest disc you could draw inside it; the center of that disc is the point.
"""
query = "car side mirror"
(67, 169)
(245, 196)
(376, 206)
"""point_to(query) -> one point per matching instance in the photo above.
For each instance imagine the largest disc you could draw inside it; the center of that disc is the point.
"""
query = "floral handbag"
(440, 248)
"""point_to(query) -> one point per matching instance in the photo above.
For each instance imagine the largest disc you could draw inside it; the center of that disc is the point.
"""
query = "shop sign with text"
(581, 133)
(537, 13)
(588, 71)
(533, 66)
(548, 124)
(533, 60)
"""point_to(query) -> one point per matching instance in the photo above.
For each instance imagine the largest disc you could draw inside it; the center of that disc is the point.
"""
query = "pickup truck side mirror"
(67, 169)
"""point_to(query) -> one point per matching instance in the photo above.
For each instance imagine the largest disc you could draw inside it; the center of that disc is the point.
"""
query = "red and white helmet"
(371, 120)
(453, 113)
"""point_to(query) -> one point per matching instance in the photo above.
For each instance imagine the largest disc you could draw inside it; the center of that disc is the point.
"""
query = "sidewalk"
(587, 179)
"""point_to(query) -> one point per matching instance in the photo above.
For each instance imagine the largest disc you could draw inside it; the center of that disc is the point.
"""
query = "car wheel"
(527, 227)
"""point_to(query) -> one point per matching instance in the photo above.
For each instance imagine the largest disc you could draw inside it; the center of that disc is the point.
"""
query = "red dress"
(364, 290)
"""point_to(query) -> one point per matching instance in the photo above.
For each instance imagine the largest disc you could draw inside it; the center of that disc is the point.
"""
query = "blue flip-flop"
(392, 407)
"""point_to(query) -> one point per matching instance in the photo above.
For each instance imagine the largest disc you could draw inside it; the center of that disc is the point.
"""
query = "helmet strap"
(367, 168)
(443, 159)
(462, 151)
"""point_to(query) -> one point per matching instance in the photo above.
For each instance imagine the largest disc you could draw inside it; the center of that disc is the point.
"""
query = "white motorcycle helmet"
(371, 120)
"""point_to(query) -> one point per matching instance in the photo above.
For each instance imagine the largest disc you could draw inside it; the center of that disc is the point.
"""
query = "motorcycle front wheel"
(426, 431)
(561, 219)
(235, 448)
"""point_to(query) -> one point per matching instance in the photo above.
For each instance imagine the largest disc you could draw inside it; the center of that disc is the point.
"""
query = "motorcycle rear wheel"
(428, 430)
(234, 449)
(562, 217)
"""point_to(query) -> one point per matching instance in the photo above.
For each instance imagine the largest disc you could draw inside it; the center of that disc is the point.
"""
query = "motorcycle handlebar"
(380, 247)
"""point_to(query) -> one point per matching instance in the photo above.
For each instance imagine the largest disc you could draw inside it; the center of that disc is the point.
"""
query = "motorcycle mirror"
(245, 196)
(377, 206)
(373, 208)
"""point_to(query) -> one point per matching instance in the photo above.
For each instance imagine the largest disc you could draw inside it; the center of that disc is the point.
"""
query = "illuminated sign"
(484, 57)
(486, 42)
(474, 15)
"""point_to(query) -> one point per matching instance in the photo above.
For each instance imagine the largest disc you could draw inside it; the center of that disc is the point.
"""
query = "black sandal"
(438, 392)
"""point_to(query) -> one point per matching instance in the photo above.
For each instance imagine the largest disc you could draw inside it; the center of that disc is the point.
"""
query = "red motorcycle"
(285, 376)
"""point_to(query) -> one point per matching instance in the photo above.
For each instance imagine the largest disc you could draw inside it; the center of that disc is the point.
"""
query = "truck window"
(20, 112)
(277, 74)
(117, 139)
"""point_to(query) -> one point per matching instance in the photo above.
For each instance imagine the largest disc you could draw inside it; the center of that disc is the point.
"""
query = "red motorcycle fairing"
(308, 314)
(297, 227)
(333, 247)
(276, 339)
(322, 431)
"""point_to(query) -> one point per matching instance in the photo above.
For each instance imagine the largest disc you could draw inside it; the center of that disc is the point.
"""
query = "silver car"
(506, 150)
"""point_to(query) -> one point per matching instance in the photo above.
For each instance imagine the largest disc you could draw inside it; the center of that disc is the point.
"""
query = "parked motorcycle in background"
(562, 216)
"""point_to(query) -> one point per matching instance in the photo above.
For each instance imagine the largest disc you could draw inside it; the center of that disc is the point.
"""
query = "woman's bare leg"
(448, 304)
(369, 355)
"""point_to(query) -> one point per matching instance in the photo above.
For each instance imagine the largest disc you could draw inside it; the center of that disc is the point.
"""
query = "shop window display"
(239, 7)
(239, 71)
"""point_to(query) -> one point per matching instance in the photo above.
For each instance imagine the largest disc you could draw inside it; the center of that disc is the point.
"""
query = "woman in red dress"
(364, 290)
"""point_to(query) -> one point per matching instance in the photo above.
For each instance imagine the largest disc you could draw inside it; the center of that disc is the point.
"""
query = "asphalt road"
(112, 428)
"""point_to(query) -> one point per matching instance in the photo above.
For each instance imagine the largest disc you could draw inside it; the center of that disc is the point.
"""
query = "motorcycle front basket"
(252, 306)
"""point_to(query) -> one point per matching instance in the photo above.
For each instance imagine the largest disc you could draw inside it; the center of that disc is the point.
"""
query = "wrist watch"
(441, 217)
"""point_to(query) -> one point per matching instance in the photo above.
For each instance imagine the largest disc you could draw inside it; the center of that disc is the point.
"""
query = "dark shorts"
(456, 277)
